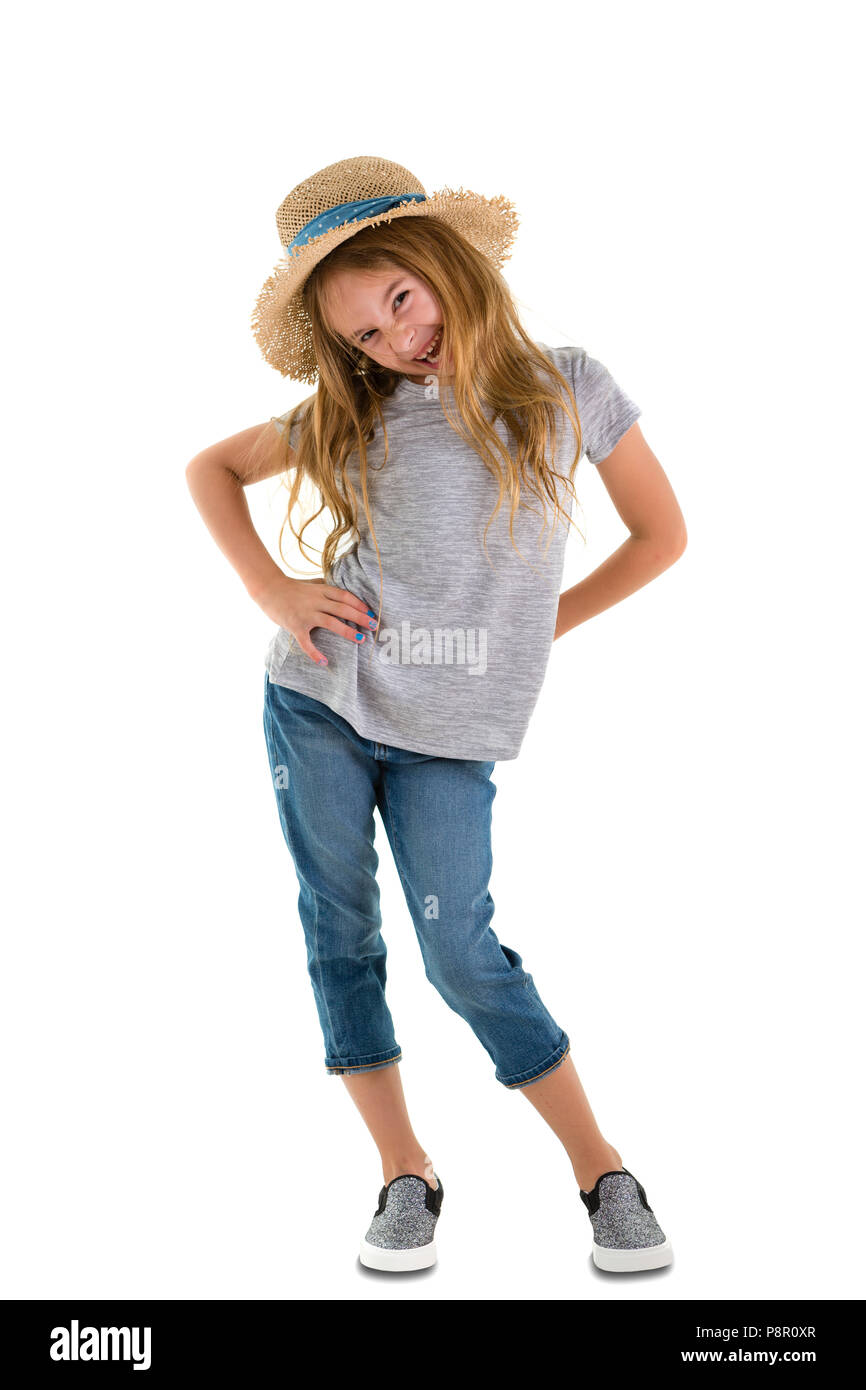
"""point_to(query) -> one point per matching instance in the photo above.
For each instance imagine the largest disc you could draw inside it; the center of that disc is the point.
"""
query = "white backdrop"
(677, 848)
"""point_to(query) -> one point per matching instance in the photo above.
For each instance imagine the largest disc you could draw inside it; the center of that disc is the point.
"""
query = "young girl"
(437, 438)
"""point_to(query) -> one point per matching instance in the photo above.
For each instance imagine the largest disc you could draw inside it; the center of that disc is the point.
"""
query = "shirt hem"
(379, 735)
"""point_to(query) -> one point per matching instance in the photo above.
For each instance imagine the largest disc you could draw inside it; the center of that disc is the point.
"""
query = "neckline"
(416, 388)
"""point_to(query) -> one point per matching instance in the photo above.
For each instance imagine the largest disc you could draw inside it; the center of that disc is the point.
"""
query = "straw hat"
(333, 205)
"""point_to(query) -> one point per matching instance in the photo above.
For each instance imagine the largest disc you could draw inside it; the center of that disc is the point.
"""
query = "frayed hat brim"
(280, 323)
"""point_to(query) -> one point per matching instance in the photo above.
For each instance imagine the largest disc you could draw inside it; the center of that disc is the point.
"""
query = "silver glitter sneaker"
(627, 1235)
(401, 1232)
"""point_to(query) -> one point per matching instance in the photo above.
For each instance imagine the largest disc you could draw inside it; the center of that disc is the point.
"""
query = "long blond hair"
(496, 367)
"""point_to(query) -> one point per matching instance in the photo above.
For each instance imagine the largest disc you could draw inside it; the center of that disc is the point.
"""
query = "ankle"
(590, 1168)
(418, 1163)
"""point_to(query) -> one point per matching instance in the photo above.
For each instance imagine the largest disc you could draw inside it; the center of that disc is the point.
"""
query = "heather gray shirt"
(459, 659)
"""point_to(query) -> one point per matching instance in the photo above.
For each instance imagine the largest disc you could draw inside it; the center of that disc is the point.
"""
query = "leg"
(560, 1100)
(379, 1097)
(437, 815)
(325, 781)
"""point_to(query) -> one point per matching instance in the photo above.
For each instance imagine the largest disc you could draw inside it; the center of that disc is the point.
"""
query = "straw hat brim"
(280, 323)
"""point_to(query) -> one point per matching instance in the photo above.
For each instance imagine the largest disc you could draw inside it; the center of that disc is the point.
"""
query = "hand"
(299, 605)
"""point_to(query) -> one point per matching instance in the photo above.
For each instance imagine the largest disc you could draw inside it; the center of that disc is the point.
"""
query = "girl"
(433, 629)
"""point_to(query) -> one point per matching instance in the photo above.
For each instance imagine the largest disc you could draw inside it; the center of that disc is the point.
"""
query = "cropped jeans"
(437, 816)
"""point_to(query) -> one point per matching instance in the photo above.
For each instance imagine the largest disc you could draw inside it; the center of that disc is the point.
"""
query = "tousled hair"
(497, 369)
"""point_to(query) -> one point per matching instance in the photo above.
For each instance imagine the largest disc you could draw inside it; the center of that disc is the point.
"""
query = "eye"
(400, 296)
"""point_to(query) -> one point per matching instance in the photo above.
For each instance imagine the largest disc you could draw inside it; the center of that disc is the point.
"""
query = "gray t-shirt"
(459, 659)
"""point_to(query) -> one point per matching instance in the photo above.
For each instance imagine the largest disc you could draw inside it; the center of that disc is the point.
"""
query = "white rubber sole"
(376, 1257)
(624, 1261)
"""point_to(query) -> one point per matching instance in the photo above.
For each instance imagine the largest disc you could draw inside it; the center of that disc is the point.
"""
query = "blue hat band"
(350, 212)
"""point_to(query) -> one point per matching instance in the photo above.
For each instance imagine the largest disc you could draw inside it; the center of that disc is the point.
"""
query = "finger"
(306, 646)
(347, 597)
(365, 622)
(343, 629)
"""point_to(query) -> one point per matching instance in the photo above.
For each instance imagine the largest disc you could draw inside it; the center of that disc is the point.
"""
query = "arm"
(216, 478)
(643, 497)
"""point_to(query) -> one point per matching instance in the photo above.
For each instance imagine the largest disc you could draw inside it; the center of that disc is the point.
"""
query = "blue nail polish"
(359, 636)
(370, 611)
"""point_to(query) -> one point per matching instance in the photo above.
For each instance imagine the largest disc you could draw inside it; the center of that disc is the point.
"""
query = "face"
(390, 315)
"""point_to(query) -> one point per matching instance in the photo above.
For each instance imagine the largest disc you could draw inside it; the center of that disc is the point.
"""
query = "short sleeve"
(280, 421)
(605, 411)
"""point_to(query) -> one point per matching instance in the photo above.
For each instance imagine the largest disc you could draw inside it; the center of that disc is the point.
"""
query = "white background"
(677, 848)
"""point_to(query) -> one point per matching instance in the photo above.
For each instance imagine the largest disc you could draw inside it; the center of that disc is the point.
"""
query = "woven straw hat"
(333, 205)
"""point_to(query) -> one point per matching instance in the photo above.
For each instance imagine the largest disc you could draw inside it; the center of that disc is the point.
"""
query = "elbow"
(676, 542)
(664, 550)
(196, 469)
(204, 464)
(191, 469)
(673, 551)
(192, 475)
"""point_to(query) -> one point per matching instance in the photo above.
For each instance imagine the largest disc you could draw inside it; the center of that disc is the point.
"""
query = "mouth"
(431, 350)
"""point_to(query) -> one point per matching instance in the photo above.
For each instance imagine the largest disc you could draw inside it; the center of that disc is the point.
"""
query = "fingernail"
(370, 611)
(359, 636)
(322, 661)
(371, 622)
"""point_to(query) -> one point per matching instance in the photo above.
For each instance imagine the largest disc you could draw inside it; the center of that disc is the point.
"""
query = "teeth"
(432, 348)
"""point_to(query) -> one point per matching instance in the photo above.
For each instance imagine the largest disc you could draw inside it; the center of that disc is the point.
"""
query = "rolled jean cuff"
(525, 1078)
(359, 1064)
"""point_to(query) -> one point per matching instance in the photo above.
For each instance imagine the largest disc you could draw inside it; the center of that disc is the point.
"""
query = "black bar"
(238, 1341)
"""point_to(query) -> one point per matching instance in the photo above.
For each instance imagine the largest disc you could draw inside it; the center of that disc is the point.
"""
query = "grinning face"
(390, 315)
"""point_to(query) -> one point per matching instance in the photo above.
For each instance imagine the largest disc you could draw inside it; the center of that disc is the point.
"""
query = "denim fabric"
(436, 812)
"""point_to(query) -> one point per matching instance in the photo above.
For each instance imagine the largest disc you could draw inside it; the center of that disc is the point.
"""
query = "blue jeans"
(437, 816)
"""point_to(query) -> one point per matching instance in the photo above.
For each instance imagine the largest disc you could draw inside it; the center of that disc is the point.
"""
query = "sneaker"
(627, 1235)
(401, 1232)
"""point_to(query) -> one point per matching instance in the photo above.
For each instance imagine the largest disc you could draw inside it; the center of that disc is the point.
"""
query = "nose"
(398, 343)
